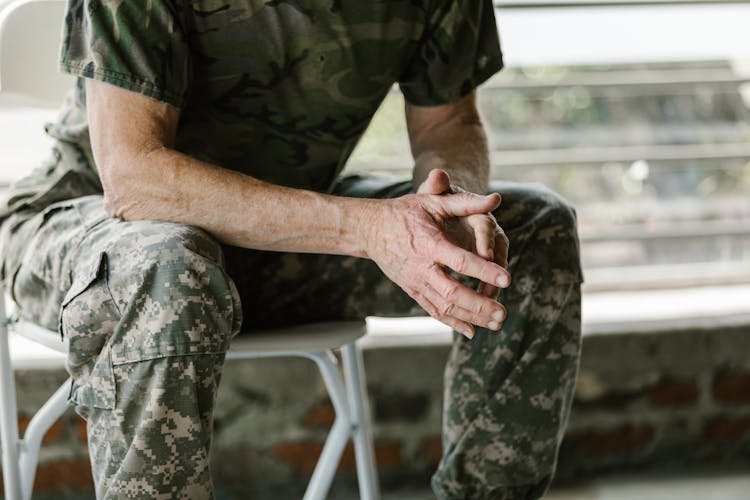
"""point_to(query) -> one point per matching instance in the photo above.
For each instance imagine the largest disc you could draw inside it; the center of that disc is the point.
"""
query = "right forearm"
(167, 185)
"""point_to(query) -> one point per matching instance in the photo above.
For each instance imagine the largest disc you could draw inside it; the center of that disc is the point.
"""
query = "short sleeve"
(138, 45)
(459, 50)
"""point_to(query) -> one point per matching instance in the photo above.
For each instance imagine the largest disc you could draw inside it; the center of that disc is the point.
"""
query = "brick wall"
(662, 401)
(644, 402)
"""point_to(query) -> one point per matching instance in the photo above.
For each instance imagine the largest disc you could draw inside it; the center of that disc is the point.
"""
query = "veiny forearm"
(167, 185)
(145, 178)
(450, 137)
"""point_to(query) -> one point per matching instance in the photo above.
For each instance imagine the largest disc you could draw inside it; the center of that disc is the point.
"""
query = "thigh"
(59, 252)
(37, 250)
(122, 292)
(279, 289)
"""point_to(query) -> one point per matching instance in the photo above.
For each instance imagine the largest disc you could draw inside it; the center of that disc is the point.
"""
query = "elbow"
(118, 189)
(130, 181)
(112, 206)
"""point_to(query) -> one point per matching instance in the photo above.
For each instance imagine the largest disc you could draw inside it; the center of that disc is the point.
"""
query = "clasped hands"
(416, 238)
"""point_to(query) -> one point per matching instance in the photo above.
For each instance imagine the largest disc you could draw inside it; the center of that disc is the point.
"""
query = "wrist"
(359, 219)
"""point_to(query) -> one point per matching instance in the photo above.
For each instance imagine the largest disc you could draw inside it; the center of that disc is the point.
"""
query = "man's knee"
(533, 203)
(172, 291)
(542, 228)
(558, 224)
(144, 291)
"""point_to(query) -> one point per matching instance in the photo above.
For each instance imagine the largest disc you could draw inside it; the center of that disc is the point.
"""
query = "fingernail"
(502, 281)
(469, 334)
(497, 315)
(493, 325)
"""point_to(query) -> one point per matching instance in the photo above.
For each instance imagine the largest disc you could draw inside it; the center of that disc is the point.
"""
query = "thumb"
(438, 182)
(462, 204)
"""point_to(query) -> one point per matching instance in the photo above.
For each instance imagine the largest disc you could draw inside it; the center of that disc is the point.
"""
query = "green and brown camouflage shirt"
(278, 89)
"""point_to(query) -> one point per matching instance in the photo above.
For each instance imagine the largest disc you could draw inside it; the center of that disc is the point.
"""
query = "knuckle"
(450, 291)
(481, 309)
(430, 309)
(421, 299)
(459, 262)
(446, 309)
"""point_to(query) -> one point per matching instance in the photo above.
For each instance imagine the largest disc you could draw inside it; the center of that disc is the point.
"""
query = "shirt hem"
(453, 93)
(122, 80)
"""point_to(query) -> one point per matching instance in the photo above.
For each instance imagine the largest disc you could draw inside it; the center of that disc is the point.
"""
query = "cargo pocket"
(88, 318)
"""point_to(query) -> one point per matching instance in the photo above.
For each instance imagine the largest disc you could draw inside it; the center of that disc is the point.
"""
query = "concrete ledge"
(665, 310)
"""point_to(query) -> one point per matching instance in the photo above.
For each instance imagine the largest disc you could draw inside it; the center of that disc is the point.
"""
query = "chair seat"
(307, 337)
(48, 338)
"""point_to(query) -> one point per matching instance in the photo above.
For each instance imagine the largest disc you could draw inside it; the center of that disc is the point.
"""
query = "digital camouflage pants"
(150, 309)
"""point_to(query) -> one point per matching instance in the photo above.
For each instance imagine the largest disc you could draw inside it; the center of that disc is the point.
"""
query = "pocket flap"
(87, 319)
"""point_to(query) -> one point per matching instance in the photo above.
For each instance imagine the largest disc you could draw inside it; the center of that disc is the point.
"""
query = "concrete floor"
(709, 487)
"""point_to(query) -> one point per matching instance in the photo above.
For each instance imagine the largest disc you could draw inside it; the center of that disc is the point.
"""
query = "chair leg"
(361, 424)
(339, 434)
(8, 414)
(40, 423)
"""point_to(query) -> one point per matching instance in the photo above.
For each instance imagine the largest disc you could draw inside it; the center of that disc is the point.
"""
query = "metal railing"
(697, 230)
(624, 154)
(719, 77)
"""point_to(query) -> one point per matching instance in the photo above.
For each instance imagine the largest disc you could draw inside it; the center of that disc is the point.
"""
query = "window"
(639, 115)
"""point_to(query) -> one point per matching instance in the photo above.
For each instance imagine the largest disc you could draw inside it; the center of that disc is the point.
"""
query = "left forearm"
(459, 147)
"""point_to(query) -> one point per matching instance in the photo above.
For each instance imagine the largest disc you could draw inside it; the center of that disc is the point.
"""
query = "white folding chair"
(313, 341)
(29, 39)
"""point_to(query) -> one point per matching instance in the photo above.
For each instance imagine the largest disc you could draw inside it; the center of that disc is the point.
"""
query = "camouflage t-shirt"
(280, 89)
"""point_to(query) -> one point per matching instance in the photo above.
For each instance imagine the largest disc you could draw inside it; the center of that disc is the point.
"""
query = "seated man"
(194, 192)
